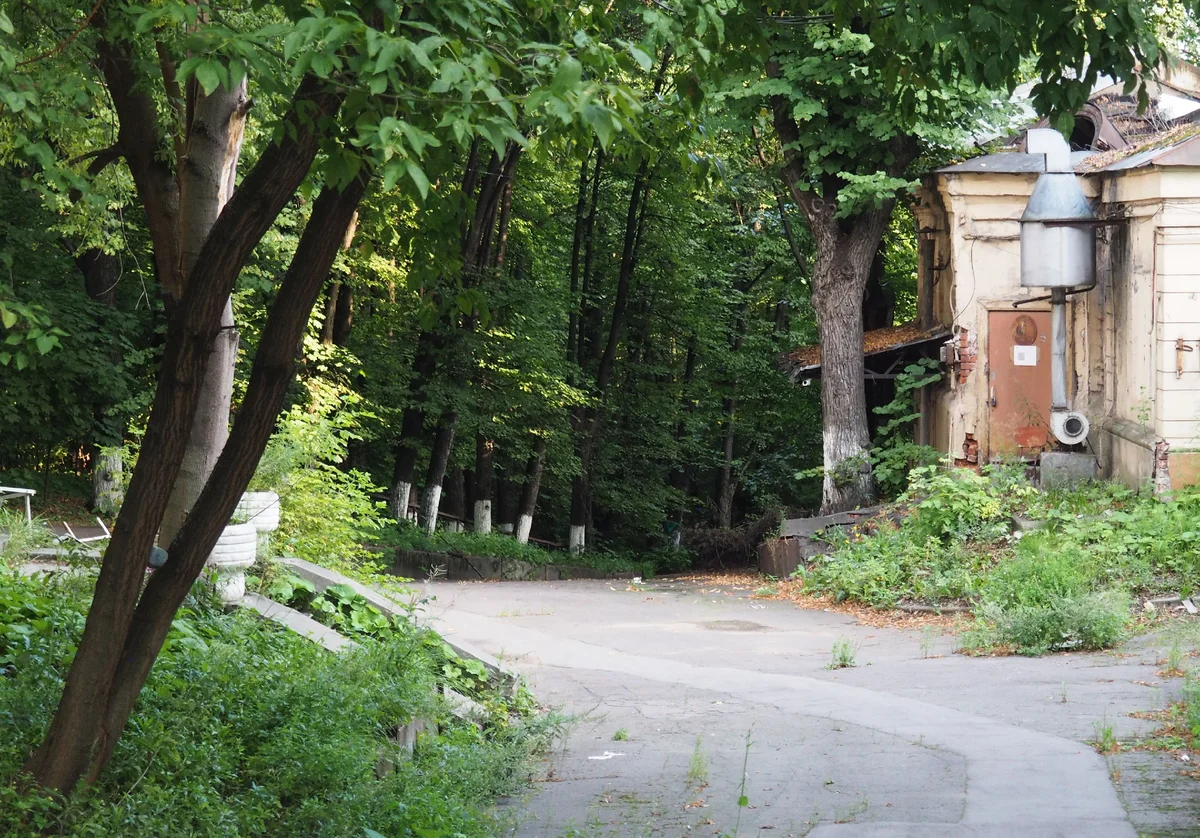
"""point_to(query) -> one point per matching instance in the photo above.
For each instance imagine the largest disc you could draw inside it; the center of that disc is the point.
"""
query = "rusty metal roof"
(807, 358)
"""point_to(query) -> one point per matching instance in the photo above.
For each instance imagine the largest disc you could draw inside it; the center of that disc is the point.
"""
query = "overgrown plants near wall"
(1065, 585)
(246, 729)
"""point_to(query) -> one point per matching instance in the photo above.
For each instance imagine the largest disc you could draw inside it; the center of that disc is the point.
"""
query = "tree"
(857, 94)
(348, 92)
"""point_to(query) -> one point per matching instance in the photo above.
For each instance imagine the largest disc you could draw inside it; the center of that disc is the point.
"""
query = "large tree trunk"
(274, 365)
(529, 491)
(217, 124)
(439, 459)
(844, 250)
(82, 733)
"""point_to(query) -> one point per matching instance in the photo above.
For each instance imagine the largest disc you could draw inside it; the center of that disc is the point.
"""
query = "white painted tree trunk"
(576, 540)
(107, 491)
(483, 517)
(429, 507)
(524, 527)
(398, 501)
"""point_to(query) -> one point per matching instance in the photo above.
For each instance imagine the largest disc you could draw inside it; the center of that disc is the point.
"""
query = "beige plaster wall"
(1122, 351)
(979, 250)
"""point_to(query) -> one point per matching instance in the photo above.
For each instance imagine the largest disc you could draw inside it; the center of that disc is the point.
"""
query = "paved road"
(672, 682)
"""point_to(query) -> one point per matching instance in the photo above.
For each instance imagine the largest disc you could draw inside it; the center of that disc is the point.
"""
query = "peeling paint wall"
(1122, 359)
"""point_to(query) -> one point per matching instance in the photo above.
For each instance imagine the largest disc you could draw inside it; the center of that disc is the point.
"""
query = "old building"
(1133, 340)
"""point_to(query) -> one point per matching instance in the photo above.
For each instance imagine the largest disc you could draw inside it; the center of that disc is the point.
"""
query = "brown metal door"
(1018, 382)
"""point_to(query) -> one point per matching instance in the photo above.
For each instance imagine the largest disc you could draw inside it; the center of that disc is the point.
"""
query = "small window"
(1083, 137)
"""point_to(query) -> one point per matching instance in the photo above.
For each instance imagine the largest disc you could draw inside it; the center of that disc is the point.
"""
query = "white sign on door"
(1025, 356)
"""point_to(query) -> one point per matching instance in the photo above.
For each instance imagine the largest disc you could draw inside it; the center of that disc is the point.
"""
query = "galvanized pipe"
(1058, 349)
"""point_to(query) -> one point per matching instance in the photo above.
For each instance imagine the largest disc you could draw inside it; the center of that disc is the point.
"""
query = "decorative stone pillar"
(262, 510)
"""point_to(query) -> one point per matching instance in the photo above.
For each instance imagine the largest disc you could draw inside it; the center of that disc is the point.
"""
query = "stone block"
(1066, 469)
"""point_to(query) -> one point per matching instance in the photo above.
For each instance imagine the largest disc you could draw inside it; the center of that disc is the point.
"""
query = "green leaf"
(9, 317)
(22, 360)
(568, 75)
(644, 61)
(370, 833)
(743, 801)
(208, 74)
(418, 177)
(5, 24)
(45, 343)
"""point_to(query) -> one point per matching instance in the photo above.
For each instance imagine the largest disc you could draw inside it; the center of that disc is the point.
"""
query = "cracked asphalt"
(688, 698)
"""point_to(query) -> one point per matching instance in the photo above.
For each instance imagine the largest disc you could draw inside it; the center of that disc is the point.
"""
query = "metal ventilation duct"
(1058, 251)
(1058, 241)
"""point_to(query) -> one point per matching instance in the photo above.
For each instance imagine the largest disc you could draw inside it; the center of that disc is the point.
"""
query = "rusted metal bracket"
(1180, 347)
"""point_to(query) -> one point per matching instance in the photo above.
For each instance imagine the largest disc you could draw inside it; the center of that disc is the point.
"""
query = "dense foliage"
(245, 729)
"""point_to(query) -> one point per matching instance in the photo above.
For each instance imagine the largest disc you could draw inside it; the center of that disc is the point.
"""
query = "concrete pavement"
(673, 681)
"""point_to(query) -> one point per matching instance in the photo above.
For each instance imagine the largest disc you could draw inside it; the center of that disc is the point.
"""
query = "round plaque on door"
(1024, 331)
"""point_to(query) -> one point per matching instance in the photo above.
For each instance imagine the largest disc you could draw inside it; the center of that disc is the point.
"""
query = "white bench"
(9, 493)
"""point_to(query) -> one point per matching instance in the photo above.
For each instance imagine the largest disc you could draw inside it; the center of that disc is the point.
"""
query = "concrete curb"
(321, 578)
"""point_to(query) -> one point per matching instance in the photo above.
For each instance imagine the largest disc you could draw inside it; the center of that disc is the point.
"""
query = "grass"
(1106, 741)
(620, 735)
(842, 654)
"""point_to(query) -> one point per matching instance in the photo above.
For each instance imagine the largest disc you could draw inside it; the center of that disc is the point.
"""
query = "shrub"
(893, 564)
(959, 504)
(1093, 620)
(1038, 574)
(325, 513)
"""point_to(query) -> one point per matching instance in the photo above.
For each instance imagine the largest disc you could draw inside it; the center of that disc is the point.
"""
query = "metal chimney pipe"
(1058, 349)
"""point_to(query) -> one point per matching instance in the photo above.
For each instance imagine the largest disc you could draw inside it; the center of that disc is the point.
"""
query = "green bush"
(1040, 573)
(1092, 620)
(244, 729)
(957, 503)
(326, 514)
(891, 565)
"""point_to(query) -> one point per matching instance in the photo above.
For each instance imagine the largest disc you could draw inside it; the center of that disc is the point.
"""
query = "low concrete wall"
(455, 567)
(322, 577)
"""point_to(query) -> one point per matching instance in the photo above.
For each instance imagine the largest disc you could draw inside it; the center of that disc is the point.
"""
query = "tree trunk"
(576, 254)
(101, 273)
(529, 491)
(107, 479)
(485, 452)
(343, 319)
(844, 250)
(412, 428)
(580, 500)
(80, 733)
(331, 306)
(214, 135)
(439, 458)
(506, 504)
(274, 366)
(727, 485)
(456, 498)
